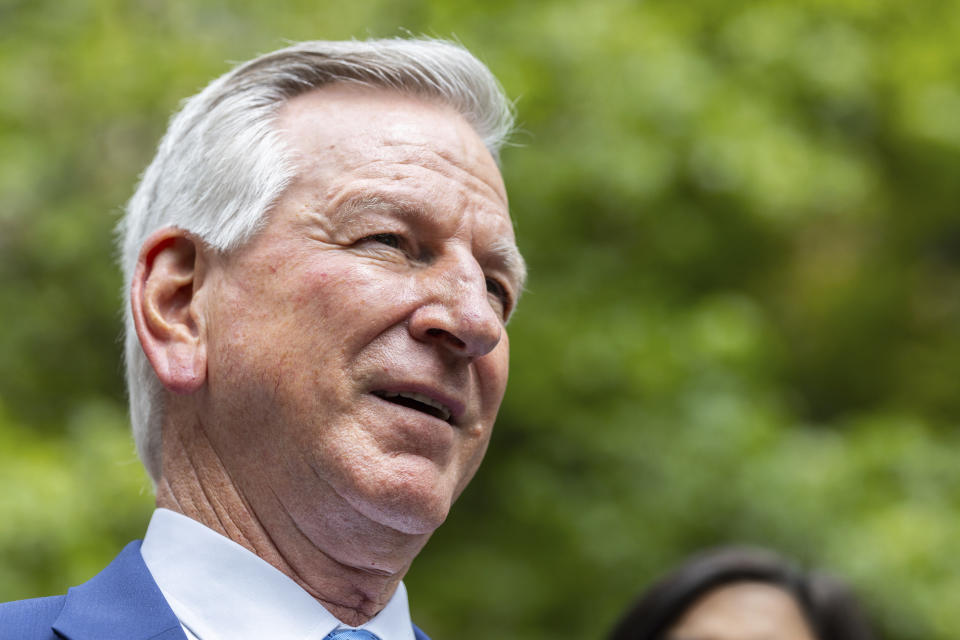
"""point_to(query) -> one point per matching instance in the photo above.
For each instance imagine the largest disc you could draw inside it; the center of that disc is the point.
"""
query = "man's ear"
(165, 305)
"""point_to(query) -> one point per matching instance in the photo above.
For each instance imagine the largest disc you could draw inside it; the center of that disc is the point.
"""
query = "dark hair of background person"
(827, 603)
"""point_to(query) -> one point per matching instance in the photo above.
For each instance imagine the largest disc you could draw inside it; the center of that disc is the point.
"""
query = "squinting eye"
(389, 239)
(498, 290)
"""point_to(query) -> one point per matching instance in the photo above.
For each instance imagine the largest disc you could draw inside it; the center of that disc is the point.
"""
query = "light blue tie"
(351, 634)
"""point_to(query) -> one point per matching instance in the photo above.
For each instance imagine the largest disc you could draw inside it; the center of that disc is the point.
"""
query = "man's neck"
(354, 581)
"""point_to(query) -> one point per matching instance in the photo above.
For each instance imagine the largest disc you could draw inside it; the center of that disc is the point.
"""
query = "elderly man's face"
(357, 354)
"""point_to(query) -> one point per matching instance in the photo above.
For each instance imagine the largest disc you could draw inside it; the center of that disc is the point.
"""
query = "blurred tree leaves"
(742, 323)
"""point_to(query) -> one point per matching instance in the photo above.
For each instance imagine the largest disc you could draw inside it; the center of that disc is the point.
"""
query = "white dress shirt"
(221, 591)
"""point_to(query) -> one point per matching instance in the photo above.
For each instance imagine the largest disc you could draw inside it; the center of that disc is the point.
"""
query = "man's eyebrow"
(354, 205)
(506, 251)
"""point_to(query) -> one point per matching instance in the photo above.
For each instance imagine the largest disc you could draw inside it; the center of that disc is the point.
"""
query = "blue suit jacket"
(122, 602)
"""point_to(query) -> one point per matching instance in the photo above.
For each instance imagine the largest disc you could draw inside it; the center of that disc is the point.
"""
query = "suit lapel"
(122, 602)
(418, 634)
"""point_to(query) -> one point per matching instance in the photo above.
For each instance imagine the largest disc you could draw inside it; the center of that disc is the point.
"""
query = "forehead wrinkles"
(401, 161)
(410, 171)
(413, 178)
(338, 134)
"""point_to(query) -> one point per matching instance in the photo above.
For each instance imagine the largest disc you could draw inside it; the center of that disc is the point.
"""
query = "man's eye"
(389, 239)
(497, 290)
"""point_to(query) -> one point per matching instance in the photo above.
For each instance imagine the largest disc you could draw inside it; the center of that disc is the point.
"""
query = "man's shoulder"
(30, 619)
(122, 602)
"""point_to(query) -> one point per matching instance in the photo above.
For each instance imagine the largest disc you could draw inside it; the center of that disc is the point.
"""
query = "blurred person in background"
(742, 593)
(320, 264)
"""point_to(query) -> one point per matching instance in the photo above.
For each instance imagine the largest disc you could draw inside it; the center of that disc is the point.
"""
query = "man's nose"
(458, 315)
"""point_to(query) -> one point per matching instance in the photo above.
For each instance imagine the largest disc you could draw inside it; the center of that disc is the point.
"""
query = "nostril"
(440, 334)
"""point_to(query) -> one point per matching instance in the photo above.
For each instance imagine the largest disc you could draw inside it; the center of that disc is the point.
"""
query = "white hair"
(221, 164)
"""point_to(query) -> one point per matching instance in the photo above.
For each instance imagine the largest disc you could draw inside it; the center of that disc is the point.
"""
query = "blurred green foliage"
(743, 320)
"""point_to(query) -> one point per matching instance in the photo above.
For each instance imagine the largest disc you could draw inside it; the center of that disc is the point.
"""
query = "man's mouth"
(416, 401)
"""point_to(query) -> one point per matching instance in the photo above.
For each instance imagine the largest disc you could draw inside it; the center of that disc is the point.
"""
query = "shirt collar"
(219, 590)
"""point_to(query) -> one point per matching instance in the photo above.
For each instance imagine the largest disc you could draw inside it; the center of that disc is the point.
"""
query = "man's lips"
(426, 401)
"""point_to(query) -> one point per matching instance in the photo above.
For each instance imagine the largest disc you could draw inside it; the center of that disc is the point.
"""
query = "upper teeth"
(419, 397)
